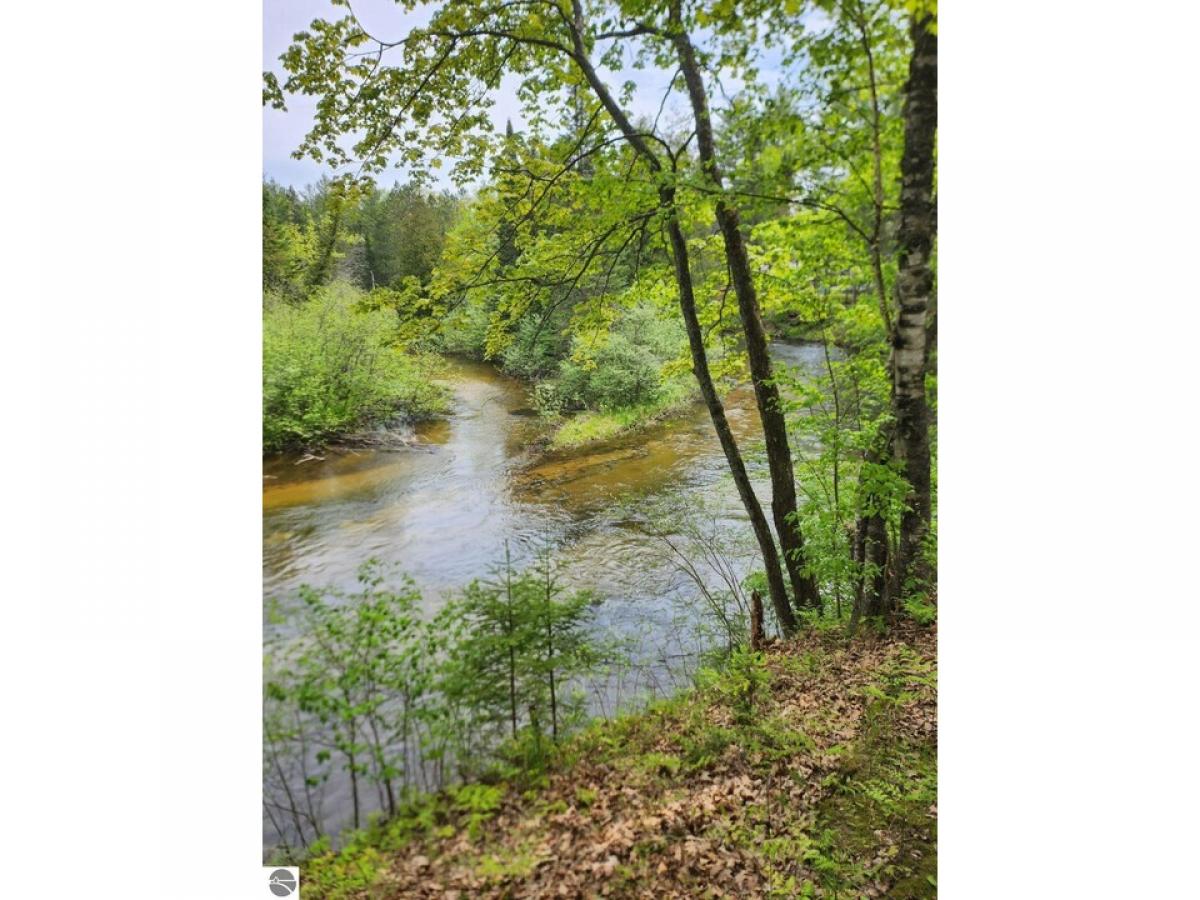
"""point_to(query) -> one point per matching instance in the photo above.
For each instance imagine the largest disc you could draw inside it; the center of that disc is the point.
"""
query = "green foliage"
(477, 803)
(840, 416)
(585, 797)
(309, 240)
(359, 681)
(561, 292)
(890, 785)
(663, 765)
(353, 231)
(920, 611)
(872, 820)
(340, 876)
(604, 354)
(329, 368)
(496, 869)
(704, 745)
(591, 427)
(288, 243)
(535, 350)
(558, 268)
(742, 681)
(385, 700)
(519, 639)
(620, 369)
(611, 382)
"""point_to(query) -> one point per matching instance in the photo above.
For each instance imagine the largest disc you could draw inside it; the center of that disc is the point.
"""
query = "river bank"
(564, 431)
(820, 780)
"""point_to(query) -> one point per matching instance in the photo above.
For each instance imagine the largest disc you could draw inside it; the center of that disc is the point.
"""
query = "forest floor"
(808, 771)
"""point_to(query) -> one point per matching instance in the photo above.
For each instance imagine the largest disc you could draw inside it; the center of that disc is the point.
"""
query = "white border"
(134, 149)
(1068, 619)
(131, 515)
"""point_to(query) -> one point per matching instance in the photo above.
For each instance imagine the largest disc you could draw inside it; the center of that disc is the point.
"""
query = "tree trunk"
(354, 786)
(758, 638)
(550, 654)
(687, 305)
(766, 393)
(509, 639)
(915, 289)
(716, 411)
(873, 598)
(322, 271)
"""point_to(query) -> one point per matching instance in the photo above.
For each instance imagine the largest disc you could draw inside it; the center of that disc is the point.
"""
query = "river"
(443, 510)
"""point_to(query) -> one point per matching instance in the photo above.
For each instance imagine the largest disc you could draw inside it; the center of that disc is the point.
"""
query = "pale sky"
(283, 131)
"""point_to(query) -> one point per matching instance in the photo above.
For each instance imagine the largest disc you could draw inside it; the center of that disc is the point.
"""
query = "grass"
(594, 426)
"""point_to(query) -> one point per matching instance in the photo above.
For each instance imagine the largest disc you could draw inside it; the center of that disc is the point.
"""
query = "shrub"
(535, 349)
(624, 372)
(464, 331)
(329, 368)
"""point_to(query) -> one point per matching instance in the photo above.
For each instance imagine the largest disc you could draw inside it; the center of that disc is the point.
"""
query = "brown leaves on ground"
(609, 827)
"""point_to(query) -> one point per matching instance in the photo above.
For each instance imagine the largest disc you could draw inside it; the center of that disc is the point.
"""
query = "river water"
(443, 510)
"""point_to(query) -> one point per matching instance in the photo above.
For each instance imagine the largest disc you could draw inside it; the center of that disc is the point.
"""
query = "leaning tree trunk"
(766, 393)
(915, 289)
(687, 306)
(716, 411)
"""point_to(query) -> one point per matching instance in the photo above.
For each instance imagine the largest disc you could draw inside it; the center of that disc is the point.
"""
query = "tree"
(287, 249)
(521, 638)
(361, 670)
(403, 232)
(334, 209)
(846, 149)
(916, 321)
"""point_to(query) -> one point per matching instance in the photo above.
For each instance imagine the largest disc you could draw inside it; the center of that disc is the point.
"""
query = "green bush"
(625, 372)
(535, 349)
(464, 331)
(329, 368)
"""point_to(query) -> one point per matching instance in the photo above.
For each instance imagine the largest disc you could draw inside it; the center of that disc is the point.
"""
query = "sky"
(283, 131)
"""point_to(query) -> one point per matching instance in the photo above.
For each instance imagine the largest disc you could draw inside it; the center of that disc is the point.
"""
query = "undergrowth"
(806, 771)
